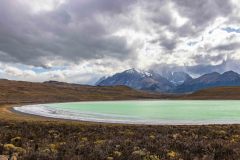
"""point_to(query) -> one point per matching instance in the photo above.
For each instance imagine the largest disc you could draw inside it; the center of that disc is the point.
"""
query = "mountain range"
(138, 79)
(214, 79)
(169, 82)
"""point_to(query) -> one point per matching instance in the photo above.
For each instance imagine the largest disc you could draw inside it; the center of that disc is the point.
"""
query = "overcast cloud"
(82, 40)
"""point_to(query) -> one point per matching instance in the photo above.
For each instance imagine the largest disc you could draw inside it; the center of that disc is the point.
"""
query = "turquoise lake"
(143, 112)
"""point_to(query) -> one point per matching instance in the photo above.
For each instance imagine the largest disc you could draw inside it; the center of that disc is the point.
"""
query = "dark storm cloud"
(226, 47)
(226, 65)
(86, 8)
(168, 44)
(158, 12)
(71, 32)
(83, 29)
(201, 12)
(206, 59)
(200, 69)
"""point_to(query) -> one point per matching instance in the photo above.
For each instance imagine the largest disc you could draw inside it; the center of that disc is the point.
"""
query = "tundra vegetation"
(72, 140)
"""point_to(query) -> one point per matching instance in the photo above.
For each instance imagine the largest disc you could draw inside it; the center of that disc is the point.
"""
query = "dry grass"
(27, 92)
(230, 93)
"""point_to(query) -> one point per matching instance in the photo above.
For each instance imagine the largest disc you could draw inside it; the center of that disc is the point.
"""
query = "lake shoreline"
(118, 141)
(41, 111)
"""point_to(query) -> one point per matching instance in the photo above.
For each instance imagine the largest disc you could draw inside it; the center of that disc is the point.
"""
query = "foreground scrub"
(84, 141)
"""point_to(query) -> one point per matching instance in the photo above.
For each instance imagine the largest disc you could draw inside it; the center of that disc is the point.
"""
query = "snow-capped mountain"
(173, 82)
(177, 78)
(138, 79)
(214, 79)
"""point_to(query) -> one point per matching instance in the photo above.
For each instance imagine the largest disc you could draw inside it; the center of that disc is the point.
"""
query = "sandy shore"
(8, 113)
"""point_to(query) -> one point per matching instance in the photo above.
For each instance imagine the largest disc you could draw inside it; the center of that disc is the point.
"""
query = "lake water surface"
(143, 112)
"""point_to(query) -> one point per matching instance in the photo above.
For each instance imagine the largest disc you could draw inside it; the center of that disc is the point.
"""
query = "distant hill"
(214, 79)
(53, 91)
(216, 93)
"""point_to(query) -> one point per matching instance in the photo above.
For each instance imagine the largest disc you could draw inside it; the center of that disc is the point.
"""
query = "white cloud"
(42, 5)
(79, 41)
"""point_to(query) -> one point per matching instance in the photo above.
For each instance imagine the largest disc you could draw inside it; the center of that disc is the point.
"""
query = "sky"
(79, 41)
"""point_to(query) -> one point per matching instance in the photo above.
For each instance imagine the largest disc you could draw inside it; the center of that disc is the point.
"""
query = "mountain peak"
(176, 77)
(230, 76)
(138, 71)
(213, 79)
(170, 81)
(138, 79)
(212, 73)
(132, 70)
(230, 73)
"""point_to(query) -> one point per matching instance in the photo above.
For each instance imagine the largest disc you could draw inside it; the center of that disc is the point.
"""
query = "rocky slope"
(214, 79)
(137, 79)
(170, 82)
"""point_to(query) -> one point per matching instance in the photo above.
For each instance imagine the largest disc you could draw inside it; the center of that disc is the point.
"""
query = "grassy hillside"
(216, 93)
(27, 92)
